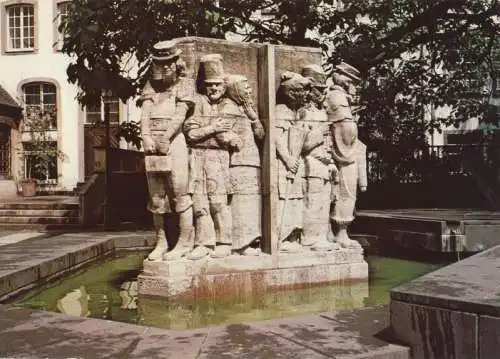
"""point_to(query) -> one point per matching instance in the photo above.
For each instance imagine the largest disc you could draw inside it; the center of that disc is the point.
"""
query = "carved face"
(317, 95)
(215, 90)
(297, 95)
(165, 71)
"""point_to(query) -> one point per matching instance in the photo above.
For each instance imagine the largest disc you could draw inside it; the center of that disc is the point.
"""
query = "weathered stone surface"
(435, 333)
(470, 285)
(35, 334)
(34, 262)
(437, 230)
(241, 274)
(489, 338)
(452, 312)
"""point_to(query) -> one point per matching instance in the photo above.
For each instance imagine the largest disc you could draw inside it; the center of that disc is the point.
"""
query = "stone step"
(32, 205)
(38, 220)
(42, 213)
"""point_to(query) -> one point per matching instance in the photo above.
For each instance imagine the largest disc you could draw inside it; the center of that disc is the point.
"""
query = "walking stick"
(296, 139)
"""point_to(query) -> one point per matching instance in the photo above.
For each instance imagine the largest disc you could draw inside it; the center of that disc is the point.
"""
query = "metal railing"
(417, 165)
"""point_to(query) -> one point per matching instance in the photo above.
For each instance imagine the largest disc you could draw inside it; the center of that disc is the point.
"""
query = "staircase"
(43, 212)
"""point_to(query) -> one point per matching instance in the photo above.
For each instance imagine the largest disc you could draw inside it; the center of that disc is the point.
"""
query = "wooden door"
(5, 155)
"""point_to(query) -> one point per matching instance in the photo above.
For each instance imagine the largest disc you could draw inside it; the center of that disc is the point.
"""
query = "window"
(41, 162)
(95, 112)
(62, 12)
(40, 102)
(20, 27)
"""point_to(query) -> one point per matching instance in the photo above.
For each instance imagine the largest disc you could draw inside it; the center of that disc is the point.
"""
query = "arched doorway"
(5, 152)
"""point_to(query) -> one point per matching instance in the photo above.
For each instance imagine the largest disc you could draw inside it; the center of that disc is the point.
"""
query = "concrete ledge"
(453, 312)
(34, 262)
(434, 230)
(236, 275)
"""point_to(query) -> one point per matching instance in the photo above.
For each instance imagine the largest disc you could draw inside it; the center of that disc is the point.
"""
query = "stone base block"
(241, 275)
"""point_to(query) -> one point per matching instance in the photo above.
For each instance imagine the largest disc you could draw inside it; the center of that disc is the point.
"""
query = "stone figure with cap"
(319, 168)
(290, 137)
(166, 100)
(245, 166)
(349, 154)
(211, 139)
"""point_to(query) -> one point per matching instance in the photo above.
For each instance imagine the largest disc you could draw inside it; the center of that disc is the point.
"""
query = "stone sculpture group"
(203, 144)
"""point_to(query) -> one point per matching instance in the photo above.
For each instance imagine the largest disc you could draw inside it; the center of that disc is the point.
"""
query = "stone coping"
(34, 262)
(237, 275)
(346, 335)
(37, 334)
(434, 214)
(471, 285)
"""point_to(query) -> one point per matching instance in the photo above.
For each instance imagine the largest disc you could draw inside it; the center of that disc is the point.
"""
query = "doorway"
(5, 153)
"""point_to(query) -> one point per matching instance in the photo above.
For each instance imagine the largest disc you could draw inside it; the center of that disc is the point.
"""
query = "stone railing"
(91, 199)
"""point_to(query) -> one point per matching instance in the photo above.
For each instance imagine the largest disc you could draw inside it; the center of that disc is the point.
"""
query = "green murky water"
(108, 290)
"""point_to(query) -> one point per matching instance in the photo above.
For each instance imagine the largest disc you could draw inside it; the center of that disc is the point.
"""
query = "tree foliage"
(414, 54)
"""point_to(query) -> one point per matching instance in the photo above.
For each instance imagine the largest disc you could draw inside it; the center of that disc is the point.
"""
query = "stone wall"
(452, 313)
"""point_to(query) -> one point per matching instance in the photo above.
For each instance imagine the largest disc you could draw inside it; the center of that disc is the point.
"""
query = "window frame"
(58, 38)
(6, 40)
(113, 99)
(41, 103)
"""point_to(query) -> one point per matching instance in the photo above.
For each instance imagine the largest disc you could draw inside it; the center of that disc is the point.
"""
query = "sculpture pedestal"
(241, 275)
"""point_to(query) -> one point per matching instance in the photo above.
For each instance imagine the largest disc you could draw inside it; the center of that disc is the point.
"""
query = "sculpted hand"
(292, 164)
(149, 144)
(163, 147)
(222, 125)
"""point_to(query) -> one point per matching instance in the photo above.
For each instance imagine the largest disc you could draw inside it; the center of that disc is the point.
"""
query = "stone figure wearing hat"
(289, 138)
(319, 168)
(166, 101)
(245, 166)
(210, 137)
(348, 152)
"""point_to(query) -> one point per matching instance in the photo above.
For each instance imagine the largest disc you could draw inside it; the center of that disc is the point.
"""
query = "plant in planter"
(40, 152)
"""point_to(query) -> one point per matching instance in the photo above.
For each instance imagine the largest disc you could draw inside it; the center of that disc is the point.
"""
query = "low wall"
(452, 313)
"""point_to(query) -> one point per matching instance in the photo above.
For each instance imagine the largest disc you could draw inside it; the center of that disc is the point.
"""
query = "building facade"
(33, 72)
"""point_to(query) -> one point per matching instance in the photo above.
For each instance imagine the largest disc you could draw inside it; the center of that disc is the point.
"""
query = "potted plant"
(39, 151)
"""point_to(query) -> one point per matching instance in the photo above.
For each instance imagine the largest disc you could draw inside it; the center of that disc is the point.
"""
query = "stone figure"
(348, 152)
(166, 100)
(210, 137)
(289, 139)
(319, 169)
(245, 166)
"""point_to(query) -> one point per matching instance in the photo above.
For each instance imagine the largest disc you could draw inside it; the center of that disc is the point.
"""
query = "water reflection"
(109, 291)
(75, 303)
(205, 312)
(129, 293)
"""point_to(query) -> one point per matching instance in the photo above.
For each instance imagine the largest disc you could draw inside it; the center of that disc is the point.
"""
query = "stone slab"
(471, 285)
(33, 262)
(435, 333)
(30, 333)
(489, 337)
(240, 274)
(436, 230)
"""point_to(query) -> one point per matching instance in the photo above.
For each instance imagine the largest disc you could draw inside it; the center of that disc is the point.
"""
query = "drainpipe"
(107, 221)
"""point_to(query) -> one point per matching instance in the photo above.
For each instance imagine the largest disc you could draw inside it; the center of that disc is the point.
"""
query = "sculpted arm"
(147, 141)
(258, 130)
(194, 131)
(282, 150)
(176, 122)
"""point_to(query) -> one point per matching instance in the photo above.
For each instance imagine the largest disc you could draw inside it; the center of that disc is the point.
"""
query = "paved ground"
(24, 333)
(37, 334)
